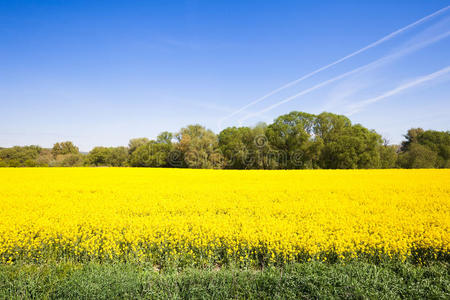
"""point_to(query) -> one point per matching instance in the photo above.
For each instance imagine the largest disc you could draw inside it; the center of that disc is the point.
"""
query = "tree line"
(297, 140)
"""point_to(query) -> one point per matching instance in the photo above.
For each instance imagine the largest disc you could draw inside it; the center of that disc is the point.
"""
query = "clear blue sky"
(102, 72)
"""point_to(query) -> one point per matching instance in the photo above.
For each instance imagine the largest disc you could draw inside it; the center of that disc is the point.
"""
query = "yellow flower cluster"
(218, 216)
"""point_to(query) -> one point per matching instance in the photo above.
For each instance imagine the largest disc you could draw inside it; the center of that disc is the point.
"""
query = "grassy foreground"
(353, 280)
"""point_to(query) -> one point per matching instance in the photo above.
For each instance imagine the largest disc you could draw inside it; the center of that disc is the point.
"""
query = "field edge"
(352, 280)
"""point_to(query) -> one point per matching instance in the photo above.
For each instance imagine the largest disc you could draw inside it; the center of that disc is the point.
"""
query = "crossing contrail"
(360, 105)
(346, 74)
(376, 43)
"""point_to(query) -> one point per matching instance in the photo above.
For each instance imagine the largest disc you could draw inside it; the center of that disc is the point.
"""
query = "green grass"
(312, 280)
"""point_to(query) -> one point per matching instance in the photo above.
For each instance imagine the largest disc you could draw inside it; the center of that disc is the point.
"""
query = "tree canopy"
(296, 140)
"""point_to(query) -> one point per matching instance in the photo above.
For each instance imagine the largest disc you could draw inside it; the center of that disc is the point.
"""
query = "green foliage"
(45, 158)
(198, 147)
(151, 154)
(302, 140)
(291, 134)
(347, 146)
(165, 138)
(425, 149)
(248, 148)
(146, 153)
(235, 144)
(98, 156)
(418, 156)
(133, 144)
(104, 156)
(64, 148)
(68, 160)
(439, 143)
(312, 280)
(65, 154)
(329, 126)
(411, 137)
(35, 156)
(296, 140)
(118, 156)
(388, 156)
(20, 156)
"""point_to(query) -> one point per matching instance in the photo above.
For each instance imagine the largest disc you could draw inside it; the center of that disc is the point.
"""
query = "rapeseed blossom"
(218, 216)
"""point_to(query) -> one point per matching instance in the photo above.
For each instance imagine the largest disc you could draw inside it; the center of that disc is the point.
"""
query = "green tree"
(45, 158)
(20, 156)
(388, 156)
(439, 143)
(261, 154)
(165, 138)
(108, 156)
(199, 147)
(292, 134)
(117, 157)
(247, 148)
(330, 126)
(425, 149)
(99, 156)
(235, 145)
(133, 144)
(418, 156)
(153, 153)
(351, 147)
(411, 137)
(64, 148)
(68, 160)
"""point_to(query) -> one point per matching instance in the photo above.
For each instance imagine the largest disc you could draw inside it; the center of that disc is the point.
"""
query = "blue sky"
(102, 72)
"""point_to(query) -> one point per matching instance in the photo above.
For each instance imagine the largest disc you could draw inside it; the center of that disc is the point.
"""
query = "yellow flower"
(213, 215)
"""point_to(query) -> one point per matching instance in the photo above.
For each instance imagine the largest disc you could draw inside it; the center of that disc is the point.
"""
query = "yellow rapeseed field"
(221, 216)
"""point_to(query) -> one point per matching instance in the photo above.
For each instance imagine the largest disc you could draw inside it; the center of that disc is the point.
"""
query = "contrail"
(367, 66)
(358, 106)
(376, 43)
